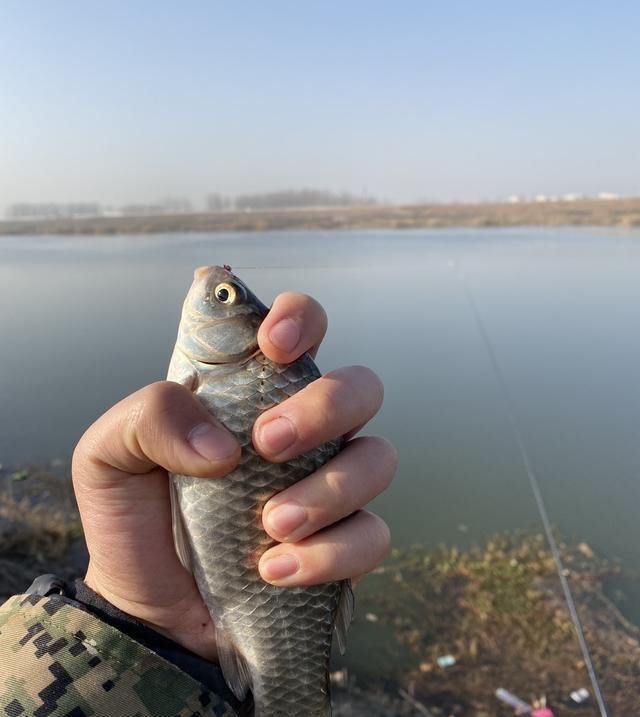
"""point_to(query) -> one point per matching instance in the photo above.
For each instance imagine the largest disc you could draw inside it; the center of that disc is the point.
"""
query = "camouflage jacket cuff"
(57, 659)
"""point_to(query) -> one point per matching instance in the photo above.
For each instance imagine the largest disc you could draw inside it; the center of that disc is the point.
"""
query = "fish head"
(220, 318)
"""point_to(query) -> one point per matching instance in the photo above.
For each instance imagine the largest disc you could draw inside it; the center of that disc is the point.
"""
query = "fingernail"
(211, 442)
(277, 435)
(286, 518)
(282, 566)
(285, 335)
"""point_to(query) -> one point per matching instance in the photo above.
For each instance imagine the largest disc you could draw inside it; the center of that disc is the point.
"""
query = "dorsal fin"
(344, 614)
(233, 665)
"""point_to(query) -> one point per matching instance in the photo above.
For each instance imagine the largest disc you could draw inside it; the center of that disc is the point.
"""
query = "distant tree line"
(286, 199)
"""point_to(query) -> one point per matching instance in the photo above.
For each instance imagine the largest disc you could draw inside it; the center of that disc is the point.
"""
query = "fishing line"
(535, 488)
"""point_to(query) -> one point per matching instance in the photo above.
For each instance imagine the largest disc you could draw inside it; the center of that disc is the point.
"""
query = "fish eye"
(225, 293)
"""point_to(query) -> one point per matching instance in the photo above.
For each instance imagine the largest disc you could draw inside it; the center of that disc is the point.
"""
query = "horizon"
(131, 104)
(265, 201)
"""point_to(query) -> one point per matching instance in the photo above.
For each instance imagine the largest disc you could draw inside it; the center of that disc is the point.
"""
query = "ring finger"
(353, 546)
(342, 486)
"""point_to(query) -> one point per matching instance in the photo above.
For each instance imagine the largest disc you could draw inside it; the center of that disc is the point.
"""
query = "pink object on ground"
(541, 712)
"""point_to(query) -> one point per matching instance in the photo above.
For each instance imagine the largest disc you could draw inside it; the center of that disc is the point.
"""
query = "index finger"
(295, 323)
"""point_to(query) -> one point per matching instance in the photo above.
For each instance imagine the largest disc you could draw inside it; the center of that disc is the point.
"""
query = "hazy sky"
(134, 101)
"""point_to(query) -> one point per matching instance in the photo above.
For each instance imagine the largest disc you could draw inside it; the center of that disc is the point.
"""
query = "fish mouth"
(202, 273)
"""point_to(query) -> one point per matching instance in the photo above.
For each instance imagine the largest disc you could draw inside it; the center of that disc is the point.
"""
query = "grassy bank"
(496, 608)
(618, 212)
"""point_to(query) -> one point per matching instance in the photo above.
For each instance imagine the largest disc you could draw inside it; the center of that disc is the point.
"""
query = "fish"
(274, 642)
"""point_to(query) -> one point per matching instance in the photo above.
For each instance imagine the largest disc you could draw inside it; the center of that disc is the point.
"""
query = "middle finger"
(333, 405)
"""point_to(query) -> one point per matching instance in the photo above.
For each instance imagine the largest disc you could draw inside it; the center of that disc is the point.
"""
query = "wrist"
(185, 621)
(82, 597)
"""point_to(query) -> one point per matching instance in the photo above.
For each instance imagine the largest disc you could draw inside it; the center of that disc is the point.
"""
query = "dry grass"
(40, 531)
(499, 610)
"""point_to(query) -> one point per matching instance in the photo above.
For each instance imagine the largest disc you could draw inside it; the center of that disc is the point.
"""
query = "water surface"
(86, 320)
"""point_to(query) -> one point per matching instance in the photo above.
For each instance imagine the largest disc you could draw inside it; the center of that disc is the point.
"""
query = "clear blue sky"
(134, 101)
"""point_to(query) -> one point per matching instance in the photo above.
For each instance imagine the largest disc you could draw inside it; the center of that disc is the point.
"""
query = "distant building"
(541, 198)
(572, 197)
(608, 195)
(514, 199)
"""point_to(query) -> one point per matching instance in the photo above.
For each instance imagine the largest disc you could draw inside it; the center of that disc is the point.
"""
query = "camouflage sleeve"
(57, 660)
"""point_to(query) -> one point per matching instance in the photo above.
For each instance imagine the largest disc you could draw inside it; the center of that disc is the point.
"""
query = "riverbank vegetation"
(469, 621)
(498, 610)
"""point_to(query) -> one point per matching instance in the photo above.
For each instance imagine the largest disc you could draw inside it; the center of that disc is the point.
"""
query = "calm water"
(86, 320)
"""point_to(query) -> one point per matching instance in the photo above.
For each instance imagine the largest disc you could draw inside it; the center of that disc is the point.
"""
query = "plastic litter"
(520, 706)
(446, 661)
(580, 696)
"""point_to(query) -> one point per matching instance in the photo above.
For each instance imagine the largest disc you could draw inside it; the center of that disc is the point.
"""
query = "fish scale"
(278, 638)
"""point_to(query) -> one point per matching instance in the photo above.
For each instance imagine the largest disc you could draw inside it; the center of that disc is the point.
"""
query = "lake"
(87, 320)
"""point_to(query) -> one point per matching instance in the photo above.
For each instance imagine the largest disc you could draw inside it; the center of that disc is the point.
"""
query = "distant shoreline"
(588, 212)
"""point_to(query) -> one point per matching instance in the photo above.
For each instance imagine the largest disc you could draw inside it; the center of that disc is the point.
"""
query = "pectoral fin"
(344, 614)
(233, 665)
(179, 533)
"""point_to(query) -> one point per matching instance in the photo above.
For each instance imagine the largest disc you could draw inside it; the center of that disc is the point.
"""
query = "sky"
(406, 101)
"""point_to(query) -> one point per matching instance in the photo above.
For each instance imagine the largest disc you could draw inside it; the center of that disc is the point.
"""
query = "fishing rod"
(510, 413)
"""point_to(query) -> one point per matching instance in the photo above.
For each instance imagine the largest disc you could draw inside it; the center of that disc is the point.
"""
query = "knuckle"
(386, 459)
(82, 454)
(372, 383)
(334, 557)
(161, 397)
(289, 297)
(341, 494)
(150, 417)
(362, 386)
(330, 402)
(314, 307)
(380, 536)
(158, 408)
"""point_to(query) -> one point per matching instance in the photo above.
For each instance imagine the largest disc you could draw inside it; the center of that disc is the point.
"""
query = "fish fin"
(233, 665)
(179, 533)
(344, 614)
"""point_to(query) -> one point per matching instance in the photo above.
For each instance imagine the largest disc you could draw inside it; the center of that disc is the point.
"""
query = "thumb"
(160, 425)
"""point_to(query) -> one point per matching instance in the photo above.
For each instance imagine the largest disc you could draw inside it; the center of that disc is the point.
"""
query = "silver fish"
(271, 640)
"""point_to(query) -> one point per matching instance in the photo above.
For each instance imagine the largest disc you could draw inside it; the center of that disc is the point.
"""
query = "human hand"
(120, 478)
